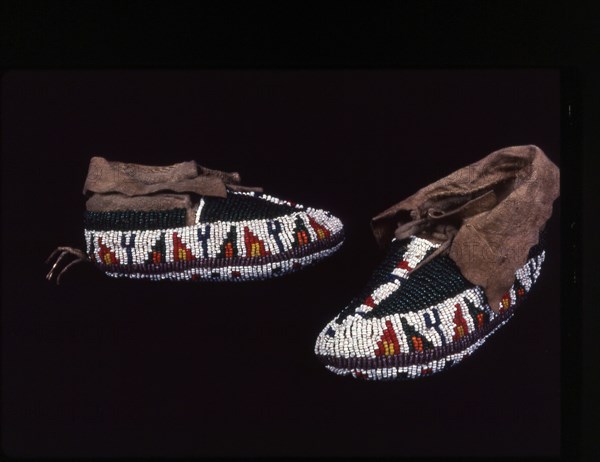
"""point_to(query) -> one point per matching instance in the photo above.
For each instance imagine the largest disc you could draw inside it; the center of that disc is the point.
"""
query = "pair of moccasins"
(462, 252)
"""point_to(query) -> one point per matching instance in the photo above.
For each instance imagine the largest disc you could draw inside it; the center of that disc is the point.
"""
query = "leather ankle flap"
(126, 186)
(487, 215)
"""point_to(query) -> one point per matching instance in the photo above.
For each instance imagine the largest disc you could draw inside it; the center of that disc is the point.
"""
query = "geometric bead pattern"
(370, 343)
(221, 250)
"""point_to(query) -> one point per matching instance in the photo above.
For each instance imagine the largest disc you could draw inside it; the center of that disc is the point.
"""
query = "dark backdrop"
(98, 366)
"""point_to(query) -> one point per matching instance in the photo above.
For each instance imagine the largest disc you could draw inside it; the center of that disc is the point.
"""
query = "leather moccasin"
(188, 222)
(462, 253)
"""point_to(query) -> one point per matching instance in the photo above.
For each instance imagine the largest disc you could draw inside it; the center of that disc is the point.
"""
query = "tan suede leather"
(139, 180)
(115, 201)
(126, 186)
(486, 216)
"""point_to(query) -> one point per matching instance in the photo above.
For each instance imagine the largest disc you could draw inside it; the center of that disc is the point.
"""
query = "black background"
(98, 366)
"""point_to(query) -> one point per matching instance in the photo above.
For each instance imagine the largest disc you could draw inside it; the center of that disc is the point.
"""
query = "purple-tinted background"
(100, 367)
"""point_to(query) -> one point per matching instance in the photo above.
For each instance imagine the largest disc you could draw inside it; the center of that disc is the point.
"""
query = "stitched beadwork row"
(121, 220)
(415, 370)
(243, 206)
(232, 272)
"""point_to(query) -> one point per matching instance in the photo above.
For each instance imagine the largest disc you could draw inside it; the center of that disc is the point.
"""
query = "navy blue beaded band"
(124, 220)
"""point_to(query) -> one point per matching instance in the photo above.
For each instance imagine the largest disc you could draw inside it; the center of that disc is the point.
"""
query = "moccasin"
(188, 222)
(407, 324)
(462, 253)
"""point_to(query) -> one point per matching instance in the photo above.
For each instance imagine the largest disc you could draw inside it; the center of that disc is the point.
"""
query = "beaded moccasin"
(187, 222)
(407, 324)
(461, 257)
